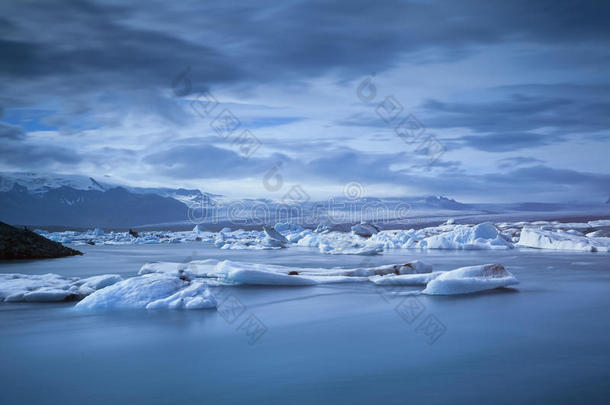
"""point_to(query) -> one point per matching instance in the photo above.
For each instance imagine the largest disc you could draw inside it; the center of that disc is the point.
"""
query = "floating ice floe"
(51, 287)
(460, 281)
(561, 240)
(415, 273)
(482, 236)
(231, 273)
(406, 279)
(274, 235)
(365, 230)
(151, 291)
(348, 248)
(471, 279)
(190, 285)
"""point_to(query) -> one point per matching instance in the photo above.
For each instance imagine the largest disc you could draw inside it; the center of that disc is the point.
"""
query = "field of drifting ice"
(193, 285)
(367, 239)
(165, 285)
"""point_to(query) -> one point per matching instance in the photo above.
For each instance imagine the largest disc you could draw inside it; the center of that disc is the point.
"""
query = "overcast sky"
(475, 100)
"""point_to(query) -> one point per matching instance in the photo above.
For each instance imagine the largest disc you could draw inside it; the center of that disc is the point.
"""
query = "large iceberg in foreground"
(466, 280)
(190, 285)
(461, 281)
(51, 287)
(151, 291)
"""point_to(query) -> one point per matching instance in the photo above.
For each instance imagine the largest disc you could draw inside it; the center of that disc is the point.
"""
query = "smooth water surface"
(545, 341)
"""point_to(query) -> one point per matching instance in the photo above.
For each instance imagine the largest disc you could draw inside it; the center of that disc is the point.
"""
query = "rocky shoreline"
(18, 243)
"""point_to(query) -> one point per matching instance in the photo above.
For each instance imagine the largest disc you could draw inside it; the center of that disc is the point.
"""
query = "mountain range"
(72, 201)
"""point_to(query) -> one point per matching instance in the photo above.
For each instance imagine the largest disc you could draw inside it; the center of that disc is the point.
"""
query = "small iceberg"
(51, 287)
(561, 240)
(274, 235)
(466, 280)
(482, 236)
(406, 279)
(151, 291)
(365, 230)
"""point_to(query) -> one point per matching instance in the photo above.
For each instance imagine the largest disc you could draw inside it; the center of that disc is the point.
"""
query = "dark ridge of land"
(18, 243)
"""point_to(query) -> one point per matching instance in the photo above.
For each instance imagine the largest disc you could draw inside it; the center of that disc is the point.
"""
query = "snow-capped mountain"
(81, 201)
(41, 183)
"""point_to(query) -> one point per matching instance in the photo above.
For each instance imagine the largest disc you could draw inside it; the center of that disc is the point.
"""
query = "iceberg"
(274, 235)
(347, 248)
(195, 296)
(559, 240)
(406, 279)
(51, 287)
(482, 236)
(366, 238)
(466, 280)
(151, 291)
(256, 274)
(365, 230)
(415, 273)
(287, 227)
(230, 273)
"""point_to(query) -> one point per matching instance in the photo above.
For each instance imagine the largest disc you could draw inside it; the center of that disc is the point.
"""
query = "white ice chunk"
(274, 235)
(365, 230)
(348, 248)
(600, 223)
(195, 296)
(602, 233)
(99, 282)
(136, 292)
(406, 279)
(193, 269)
(256, 274)
(482, 236)
(287, 227)
(50, 287)
(543, 239)
(471, 279)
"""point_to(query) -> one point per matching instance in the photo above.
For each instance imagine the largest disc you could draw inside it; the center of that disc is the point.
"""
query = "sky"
(477, 100)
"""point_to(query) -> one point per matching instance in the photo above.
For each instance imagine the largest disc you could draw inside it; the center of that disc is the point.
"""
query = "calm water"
(546, 341)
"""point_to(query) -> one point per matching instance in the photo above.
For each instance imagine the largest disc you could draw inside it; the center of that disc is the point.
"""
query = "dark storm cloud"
(146, 43)
(16, 149)
(521, 112)
(91, 63)
(547, 115)
(111, 58)
(515, 116)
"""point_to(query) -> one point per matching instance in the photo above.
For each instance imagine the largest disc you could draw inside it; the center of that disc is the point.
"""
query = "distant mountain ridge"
(115, 207)
(41, 183)
(84, 202)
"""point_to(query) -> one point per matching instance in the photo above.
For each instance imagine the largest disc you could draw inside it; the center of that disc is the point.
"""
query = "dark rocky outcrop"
(24, 244)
